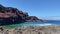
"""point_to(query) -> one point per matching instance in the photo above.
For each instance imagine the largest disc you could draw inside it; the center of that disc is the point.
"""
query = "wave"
(45, 24)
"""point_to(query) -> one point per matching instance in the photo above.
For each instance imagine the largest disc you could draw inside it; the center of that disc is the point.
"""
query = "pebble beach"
(32, 30)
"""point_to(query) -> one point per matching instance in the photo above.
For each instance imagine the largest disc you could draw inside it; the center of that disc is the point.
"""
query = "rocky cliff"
(10, 15)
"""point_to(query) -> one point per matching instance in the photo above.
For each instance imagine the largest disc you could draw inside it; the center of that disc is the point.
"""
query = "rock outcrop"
(32, 19)
(9, 15)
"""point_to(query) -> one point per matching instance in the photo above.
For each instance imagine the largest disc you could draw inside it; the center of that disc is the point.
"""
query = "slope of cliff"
(10, 15)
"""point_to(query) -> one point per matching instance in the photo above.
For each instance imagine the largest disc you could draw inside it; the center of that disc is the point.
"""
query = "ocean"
(44, 23)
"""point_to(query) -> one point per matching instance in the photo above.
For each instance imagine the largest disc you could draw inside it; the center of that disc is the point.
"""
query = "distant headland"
(10, 15)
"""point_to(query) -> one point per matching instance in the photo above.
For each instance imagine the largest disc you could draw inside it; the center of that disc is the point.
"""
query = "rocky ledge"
(10, 15)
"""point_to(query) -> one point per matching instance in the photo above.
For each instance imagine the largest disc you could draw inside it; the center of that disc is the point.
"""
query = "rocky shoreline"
(10, 15)
(32, 30)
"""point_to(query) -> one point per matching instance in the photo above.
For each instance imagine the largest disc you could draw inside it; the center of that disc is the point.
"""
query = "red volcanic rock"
(32, 19)
(9, 15)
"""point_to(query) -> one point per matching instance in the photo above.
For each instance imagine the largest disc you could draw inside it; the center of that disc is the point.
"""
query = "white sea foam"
(45, 24)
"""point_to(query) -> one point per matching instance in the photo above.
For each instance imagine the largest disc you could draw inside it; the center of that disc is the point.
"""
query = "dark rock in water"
(9, 15)
(1, 29)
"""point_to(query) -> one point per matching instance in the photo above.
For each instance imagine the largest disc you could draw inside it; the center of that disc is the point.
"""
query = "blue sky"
(39, 8)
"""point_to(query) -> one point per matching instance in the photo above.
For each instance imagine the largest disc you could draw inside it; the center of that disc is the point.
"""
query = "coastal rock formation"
(9, 15)
(32, 19)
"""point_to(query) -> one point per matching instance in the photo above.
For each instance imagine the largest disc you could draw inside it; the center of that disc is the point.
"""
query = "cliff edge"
(10, 15)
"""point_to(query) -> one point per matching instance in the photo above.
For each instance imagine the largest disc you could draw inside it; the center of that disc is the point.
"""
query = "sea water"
(44, 23)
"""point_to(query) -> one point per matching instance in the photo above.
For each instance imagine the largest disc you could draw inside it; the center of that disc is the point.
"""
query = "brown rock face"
(9, 15)
(32, 19)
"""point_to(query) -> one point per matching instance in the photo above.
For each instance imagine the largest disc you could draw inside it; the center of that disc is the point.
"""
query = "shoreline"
(22, 25)
(33, 30)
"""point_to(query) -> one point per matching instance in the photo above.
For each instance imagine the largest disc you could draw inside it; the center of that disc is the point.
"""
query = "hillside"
(10, 15)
